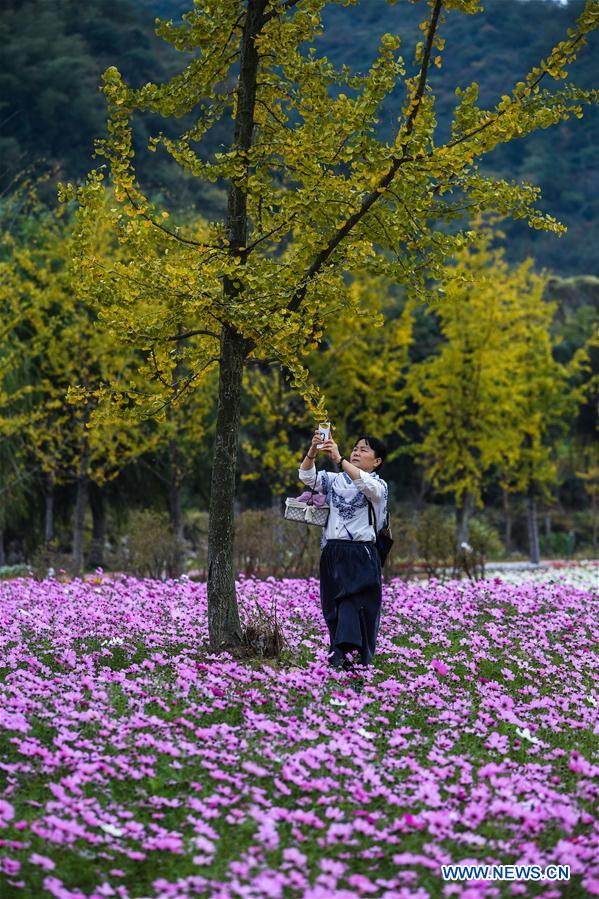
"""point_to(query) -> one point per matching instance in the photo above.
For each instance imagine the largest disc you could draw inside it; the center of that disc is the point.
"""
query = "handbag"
(384, 537)
(306, 513)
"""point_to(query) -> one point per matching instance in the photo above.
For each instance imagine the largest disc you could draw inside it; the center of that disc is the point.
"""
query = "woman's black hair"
(377, 445)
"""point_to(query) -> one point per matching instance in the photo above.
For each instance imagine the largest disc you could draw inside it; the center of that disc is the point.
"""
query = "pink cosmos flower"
(42, 861)
(7, 812)
(440, 667)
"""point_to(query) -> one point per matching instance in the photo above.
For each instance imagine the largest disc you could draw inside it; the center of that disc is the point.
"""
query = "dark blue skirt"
(350, 596)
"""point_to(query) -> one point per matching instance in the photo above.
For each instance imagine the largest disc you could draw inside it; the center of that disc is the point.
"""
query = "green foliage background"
(54, 52)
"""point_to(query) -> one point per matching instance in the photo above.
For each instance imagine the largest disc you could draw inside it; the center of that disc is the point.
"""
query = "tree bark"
(507, 511)
(49, 509)
(547, 523)
(223, 615)
(463, 513)
(98, 507)
(533, 527)
(224, 626)
(175, 480)
(174, 495)
(79, 516)
(174, 501)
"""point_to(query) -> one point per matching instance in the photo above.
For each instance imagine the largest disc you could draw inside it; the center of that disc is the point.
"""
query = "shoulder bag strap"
(372, 516)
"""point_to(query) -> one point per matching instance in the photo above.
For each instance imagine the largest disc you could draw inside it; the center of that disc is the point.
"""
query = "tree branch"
(270, 233)
(193, 334)
(185, 240)
(192, 377)
(284, 7)
(527, 92)
(371, 198)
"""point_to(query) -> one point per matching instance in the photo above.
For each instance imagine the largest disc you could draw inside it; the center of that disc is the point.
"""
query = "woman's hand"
(316, 439)
(332, 450)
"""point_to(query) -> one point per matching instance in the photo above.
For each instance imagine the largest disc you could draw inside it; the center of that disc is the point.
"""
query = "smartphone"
(324, 428)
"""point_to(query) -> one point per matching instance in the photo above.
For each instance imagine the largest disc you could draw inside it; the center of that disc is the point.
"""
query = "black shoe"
(337, 659)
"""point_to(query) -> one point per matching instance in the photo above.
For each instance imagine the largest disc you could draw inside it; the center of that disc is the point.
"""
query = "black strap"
(371, 516)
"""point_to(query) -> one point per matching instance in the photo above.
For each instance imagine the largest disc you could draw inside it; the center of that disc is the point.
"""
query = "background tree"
(52, 348)
(361, 369)
(313, 195)
(548, 401)
(468, 393)
(53, 54)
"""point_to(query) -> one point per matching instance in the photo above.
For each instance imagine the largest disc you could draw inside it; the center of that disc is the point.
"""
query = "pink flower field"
(133, 763)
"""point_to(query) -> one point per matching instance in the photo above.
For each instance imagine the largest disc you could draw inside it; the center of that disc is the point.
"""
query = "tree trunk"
(224, 626)
(594, 520)
(414, 548)
(507, 512)
(463, 513)
(49, 510)
(533, 528)
(174, 491)
(96, 501)
(79, 516)
(2, 551)
(175, 479)
(223, 615)
(174, 501)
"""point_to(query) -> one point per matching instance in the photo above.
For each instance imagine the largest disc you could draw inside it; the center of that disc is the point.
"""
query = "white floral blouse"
(348, 518)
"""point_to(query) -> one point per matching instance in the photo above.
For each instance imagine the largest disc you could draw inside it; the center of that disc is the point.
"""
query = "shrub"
(401, 561)
(266, 543)
(7, 572)
(151, 548)
(48, 561)
(435, 537)
(483, 542)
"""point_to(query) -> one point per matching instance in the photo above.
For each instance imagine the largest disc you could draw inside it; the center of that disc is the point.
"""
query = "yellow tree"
(549, 395)
(51, 343)
(469, 393)
(361, 370)
(313, 196)
(493, 397)
(269, 429)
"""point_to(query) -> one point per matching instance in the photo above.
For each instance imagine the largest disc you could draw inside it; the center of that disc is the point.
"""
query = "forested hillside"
(54, 51)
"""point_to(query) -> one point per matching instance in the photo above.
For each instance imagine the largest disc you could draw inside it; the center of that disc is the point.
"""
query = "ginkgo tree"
(493, 397)
(50, 341)
(362, 372)
(362, 369)
(550, 394)
(313, 195)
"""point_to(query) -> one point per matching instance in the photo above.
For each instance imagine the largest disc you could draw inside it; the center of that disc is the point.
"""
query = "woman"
(350, 567)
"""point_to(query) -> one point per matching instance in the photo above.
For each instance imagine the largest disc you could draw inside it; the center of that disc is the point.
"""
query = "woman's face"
(363, 456)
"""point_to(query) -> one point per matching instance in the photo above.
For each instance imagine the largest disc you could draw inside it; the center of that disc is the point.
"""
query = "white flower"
(111, 830)
(367, 734)
(592, 700)
(336, 701)
(526, 734)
